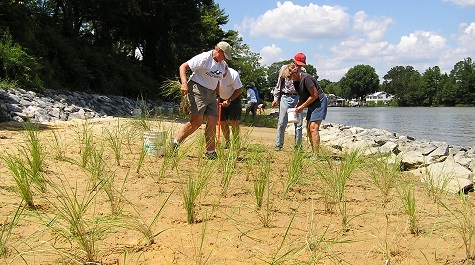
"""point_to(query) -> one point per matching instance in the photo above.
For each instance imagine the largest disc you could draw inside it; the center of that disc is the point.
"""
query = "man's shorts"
(233, 111)
(202, 100)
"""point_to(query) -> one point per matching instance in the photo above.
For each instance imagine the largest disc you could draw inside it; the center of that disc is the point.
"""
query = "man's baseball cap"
(300, 59)
(226, 48)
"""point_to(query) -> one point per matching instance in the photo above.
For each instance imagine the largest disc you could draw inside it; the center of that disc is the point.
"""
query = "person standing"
(311, 96)
(252, 99)
(230, 97)
(208, 68)
(286, 97)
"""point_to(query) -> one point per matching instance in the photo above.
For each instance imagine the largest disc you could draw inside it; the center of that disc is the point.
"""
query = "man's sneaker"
(211, 156)
(278, 148)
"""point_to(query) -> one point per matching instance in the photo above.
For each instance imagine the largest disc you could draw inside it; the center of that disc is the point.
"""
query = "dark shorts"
(233, 111)
(319, 113)
(202, 100)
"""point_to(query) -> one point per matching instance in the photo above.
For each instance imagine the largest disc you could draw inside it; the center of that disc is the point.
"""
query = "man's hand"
(226, 103)
(275, 103)
(184, 89)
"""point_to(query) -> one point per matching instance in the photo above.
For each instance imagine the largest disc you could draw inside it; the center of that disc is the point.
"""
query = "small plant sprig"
(34, 156)
(6, 230)
(194, 186)
(261, 181)
(463, 223)
(228, 164)
(384, 172)
(21, 175)
(294, 169)
(86, 141)
(139, 224)
(114, 138)
(408, 199)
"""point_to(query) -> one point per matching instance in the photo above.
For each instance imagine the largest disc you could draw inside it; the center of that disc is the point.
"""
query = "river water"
(456, 126)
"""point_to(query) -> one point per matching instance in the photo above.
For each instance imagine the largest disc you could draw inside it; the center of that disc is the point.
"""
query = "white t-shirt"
(206, 71)
(229, 84)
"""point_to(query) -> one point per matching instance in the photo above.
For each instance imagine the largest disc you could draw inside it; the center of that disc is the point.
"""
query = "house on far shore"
(380, 96)
(334, 101)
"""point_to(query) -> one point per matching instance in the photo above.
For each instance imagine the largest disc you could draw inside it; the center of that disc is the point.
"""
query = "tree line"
(129, 47)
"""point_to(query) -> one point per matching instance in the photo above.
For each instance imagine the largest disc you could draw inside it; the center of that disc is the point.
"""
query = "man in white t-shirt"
(230, 97)
(208, 68)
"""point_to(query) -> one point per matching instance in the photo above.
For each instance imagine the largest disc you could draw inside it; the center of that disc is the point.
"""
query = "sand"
(295, 227)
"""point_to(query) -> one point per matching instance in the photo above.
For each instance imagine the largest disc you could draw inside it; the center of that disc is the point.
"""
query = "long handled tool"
(220, 105)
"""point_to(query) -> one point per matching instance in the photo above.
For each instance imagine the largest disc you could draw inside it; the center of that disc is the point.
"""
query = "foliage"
(359, 81)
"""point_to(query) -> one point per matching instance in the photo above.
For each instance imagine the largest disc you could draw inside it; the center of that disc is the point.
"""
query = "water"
(456, 126)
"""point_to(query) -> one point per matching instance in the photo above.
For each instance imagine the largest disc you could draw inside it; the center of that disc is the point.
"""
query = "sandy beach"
(131, 209)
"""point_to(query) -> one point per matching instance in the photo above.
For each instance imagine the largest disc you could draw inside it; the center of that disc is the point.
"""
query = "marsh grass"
(34, 156)
(384, 172)
(58, 146)
(114, 194)
(228, 164)
(86, 142)
(115, 141)
(21, 175)
(294, 168)
(335, 176)
(261, 181)
(286, 254)
(194, 185)
(408, 199)
(6, 230)
(146, 228)
(463, 223)
(435, 187)
(76, 224)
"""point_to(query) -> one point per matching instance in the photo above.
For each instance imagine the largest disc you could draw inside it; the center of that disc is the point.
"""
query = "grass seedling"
(6, 229)
(408, 199)
(34, 156)
(384, 173)
(58, 146)
(193, 187)
(261, 181)
(288, 250)
(21, 175)
(295, 172)
(463, 224)
(76, 224)
(86, 141)
(114, 138)
(144, 228)
(228, 164)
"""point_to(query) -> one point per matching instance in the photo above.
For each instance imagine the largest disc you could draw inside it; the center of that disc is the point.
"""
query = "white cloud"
(467, 38)
(467, 3)
(418, 47)
(299, 23)
(355, 50)
(270, 54)
(375, 29)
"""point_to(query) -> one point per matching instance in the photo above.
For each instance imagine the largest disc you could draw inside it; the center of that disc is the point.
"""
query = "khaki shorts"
(202, 100)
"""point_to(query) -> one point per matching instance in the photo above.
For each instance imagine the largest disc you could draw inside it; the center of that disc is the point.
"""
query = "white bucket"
(292, 115)
(154, 143)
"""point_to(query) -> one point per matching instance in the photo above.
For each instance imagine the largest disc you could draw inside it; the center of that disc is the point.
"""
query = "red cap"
(299, 59)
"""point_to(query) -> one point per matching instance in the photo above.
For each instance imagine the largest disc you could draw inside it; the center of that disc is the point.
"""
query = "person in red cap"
(312, 97)
(208, 68)
(286, 97)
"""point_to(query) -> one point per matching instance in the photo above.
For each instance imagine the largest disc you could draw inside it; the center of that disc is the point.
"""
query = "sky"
(337, 35)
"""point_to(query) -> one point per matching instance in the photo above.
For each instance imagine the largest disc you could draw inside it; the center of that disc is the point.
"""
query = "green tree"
(463, 76)
(430, 86)
(359, 81)
(403, 82)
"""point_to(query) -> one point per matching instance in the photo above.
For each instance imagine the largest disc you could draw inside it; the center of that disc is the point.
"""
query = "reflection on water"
(456, 126)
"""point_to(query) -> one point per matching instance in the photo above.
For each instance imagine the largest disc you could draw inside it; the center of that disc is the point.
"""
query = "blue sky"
(337, 35)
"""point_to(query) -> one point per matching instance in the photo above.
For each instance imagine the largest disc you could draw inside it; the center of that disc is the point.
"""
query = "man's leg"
(195, 122)
(225, 130)
(282, 122)
(210, 132)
